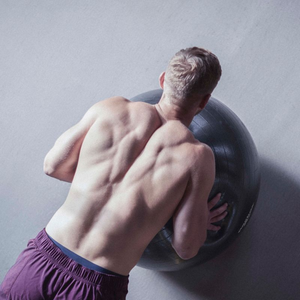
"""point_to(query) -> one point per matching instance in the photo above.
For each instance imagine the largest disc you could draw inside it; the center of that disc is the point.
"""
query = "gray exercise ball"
(237, 178)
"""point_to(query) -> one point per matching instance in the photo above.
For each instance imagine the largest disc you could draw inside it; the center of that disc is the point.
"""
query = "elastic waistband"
(81, 260)
(45, 245)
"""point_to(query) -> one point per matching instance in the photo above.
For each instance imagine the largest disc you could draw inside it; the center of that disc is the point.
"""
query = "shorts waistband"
(44, 244)
(81, 260)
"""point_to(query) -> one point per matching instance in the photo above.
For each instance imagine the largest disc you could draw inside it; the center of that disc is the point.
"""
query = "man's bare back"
(132, 166)
(135, 171)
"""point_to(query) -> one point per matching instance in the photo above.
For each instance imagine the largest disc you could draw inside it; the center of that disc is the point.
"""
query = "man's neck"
(169, 111)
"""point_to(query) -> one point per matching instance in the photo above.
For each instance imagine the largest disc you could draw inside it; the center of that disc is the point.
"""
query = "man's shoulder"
(110, 103)
(198, 156)
(122, 112)
(201, 153)
(181, 140)
(204, 151)
(116, 107)
(117, 103)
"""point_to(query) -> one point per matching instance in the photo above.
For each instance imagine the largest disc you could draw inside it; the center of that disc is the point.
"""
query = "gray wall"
(57, 58)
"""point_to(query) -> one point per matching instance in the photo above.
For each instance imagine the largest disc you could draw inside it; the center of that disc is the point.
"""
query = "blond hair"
(191, 72)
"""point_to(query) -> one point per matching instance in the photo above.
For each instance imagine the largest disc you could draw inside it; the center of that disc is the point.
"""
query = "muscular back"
(133, 171)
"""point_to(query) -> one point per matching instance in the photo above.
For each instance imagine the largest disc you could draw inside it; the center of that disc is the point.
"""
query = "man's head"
(192, 73)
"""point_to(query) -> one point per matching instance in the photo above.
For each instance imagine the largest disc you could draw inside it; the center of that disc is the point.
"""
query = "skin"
(132, 167)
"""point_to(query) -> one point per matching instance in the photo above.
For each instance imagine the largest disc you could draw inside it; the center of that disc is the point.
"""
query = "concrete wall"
(57, 58)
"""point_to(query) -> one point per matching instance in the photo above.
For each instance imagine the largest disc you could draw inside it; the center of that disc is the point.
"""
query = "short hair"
(192, 71)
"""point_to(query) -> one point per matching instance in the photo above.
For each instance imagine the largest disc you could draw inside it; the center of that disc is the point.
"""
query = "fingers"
(216, 215)
(219, 217)
(213, 227)
(212, 203)
(218, 211)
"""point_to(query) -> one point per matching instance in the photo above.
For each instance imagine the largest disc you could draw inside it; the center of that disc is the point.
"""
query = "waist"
(47, 250)
(81, 260)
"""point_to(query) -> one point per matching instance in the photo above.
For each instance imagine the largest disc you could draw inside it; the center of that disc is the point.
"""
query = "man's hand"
(215, 215)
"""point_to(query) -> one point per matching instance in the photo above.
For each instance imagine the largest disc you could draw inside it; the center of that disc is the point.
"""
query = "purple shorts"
(43, 271)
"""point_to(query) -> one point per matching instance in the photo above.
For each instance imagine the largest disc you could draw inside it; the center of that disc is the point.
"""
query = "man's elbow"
(187, 250)
(186, 254)
(48, 168)
(58, 173)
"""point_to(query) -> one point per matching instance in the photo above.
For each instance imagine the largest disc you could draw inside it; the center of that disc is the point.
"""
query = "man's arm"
(61, 161)
(191, 217)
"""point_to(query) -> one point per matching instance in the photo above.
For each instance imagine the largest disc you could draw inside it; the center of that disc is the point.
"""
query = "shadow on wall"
(264, 262)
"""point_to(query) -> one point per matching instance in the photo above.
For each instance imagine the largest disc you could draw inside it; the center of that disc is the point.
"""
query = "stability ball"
(237, 178)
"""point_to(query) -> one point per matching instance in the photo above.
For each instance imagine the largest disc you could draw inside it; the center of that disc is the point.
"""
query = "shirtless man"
(132, 166)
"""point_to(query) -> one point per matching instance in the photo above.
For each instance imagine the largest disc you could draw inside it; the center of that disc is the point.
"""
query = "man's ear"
(162, 79)
(204, 101)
